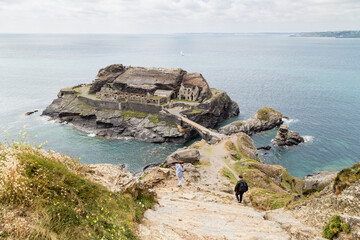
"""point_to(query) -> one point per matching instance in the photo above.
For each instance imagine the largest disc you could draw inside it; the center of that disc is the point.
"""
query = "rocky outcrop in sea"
(129, 102)
(284, 137)
(264, 119)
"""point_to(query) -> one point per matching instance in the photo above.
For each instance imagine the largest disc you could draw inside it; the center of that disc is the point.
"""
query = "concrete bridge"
(207, 134)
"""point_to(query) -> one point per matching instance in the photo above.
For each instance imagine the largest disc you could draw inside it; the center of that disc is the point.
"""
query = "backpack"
(243, 187)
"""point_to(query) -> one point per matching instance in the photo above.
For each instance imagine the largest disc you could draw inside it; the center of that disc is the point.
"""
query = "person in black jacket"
(240, 188)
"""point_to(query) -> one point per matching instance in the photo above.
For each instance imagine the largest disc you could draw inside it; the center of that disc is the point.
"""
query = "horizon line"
(174, 33)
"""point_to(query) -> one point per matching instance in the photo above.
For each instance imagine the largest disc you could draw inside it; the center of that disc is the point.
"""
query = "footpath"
(203, 210)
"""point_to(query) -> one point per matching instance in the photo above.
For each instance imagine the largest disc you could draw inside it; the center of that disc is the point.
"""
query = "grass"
(84, 92)
(45, 195)
(238, 123)
(264, 113)
(154, 118)
(334, 227)
(202, 164)
(228, 174)
(345, 177)
(128, 114)
(183, 100)
(269, 200)
(195, 111)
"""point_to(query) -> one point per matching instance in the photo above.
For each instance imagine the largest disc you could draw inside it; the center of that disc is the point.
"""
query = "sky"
(177, 16)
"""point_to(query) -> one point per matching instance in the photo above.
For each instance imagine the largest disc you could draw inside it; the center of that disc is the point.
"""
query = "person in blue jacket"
(179, 172)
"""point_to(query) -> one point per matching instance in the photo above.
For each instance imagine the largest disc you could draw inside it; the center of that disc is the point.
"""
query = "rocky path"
(189, 214)
(203, 210)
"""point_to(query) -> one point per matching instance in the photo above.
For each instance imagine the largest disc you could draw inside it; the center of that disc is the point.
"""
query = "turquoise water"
(314, 81)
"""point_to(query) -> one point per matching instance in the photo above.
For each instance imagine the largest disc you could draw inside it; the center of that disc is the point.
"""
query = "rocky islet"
(125, 101)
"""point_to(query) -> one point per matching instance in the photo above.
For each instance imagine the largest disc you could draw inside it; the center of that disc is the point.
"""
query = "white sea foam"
(308, 138)
(91, 135)
(289, 121)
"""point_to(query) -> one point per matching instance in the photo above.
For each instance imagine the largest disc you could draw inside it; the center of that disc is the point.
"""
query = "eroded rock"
(116, 179)
(284, 137)
(187, 155)
(318, 181)
(264, 119)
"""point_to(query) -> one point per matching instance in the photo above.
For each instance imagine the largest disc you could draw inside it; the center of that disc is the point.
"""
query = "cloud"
(162, 16)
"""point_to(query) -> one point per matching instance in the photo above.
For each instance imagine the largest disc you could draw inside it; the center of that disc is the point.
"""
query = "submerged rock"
(31, 112)
(264, 119)
(284, 137)
(268, 147)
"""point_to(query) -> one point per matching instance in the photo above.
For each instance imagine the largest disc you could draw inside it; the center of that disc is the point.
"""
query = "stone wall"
(141, 107)
(99, 103)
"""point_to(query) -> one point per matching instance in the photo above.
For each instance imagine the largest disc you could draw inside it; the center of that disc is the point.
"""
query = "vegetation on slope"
(263, 113)
(334, 227)
(270, 186)
(346, 176)
(46, 195)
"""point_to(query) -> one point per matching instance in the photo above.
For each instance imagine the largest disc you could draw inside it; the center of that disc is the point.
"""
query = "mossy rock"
(264, 113)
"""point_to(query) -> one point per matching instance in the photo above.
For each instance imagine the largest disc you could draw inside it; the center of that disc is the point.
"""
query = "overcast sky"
(177, 16)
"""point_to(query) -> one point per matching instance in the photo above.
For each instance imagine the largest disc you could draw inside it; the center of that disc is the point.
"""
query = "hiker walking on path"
(240, 188)
(179, 172)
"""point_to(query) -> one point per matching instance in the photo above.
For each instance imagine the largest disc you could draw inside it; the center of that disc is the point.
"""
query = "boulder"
(106, 75)
(241, 144)
(284, 137)
(318, 181)
(187, 155)
(264, 119)
(191, 174)
(158, 175)
(116, 179)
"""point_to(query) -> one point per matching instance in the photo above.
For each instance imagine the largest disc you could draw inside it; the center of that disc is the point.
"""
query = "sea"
(315, 82)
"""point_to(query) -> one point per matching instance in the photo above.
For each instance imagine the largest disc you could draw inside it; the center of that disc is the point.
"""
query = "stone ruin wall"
(189, 93)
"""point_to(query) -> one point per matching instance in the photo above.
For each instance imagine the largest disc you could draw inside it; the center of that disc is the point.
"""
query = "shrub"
(346, 176)
(334, 227)
(53, 198)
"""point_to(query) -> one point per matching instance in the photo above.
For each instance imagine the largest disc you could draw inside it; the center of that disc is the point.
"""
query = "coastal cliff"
(129, 102)
(104, 200)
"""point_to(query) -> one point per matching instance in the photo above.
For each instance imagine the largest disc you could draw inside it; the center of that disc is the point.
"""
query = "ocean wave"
(289, 121)
(91, 134)
(308, 138)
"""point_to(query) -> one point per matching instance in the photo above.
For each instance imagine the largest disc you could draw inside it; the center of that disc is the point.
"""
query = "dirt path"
(208, 212)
